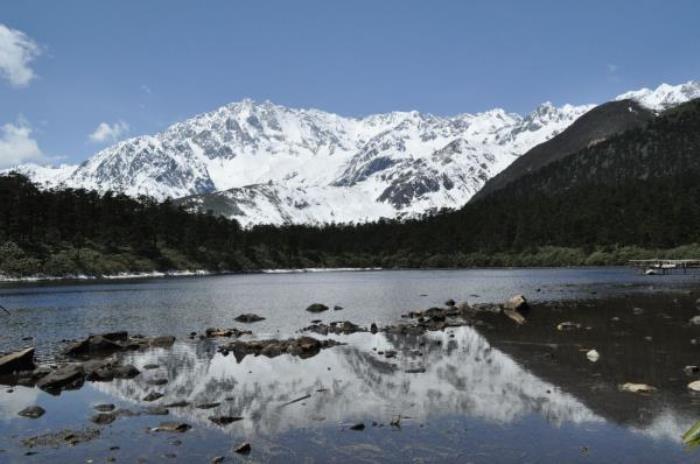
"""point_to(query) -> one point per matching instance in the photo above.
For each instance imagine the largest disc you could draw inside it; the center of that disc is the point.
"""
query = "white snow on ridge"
(665, 96)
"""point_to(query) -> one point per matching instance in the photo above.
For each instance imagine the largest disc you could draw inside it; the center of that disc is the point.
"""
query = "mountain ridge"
(272, 164)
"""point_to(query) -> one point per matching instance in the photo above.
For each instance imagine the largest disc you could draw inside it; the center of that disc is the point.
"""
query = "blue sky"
(137, 66)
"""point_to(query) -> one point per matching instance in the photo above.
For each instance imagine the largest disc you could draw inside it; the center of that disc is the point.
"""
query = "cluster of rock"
(86, 360)
(303, 347)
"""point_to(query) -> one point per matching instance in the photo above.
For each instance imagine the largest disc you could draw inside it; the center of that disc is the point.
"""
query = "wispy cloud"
(17, 145)
(17, 51)
(612, 68)
(109, 133)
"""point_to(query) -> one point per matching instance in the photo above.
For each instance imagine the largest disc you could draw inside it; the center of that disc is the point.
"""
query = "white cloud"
(106, 133)
(17, 51)
(17, 145)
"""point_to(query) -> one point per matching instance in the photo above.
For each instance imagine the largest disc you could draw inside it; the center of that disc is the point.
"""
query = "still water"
(496, 394)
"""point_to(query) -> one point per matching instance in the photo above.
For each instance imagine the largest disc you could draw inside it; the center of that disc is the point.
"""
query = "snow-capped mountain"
(266, 163)
(664, 96)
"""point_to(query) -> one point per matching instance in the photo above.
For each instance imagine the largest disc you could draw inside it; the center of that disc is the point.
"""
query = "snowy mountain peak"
(664, 96)
(260, 162)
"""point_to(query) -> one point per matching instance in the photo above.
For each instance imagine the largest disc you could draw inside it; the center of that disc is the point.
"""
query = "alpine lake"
(594, 367)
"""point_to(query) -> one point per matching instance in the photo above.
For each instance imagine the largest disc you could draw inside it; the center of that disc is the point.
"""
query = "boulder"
(317, 308)
(22, 360)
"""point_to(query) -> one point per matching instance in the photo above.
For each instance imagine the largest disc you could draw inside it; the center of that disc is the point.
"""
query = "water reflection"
(463, 375)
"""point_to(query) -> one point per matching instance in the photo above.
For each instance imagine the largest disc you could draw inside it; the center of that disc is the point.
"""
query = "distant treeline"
(636, 195)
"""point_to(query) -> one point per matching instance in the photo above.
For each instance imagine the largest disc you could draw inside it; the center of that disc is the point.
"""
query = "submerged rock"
(153, 396)
(317, 308)
(358, 427)
(227, 333)
(243, 448)
(248, 318)
(64, 437)
(179, 427)
(32, 412)
(105, 407)
(103, 418)
(22, 360)
(224, 420)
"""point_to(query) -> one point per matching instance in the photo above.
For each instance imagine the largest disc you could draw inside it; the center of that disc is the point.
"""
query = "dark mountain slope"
(595, 126)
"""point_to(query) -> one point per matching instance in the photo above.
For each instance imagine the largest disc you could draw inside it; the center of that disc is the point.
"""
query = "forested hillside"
(626, 197)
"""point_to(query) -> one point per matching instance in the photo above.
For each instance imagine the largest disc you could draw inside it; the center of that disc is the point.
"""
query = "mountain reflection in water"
(463, 375)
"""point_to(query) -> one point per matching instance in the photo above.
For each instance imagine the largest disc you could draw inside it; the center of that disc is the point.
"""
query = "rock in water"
(244, 448)
(637, 388)
(153, 396)
(224, 420)
(567, 325)
(247, 318)
(593, 355)
(67, 377)
(32, 412)
(695, 320)
(514, 309)
(18, 361)
(317, 308)
(694, 386)
(517, 303)
(358, 427)
(179, 427)
(103, 418)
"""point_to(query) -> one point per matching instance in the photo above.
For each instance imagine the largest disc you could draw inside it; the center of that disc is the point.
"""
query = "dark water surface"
(497, 393)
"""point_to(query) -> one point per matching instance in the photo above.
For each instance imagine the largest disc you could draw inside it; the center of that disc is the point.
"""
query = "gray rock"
(22, 360)
(224, 420)
(248, 318)
(153, 396)
(32, 412)
(71, 376)
(317, 308)
(243, 448)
